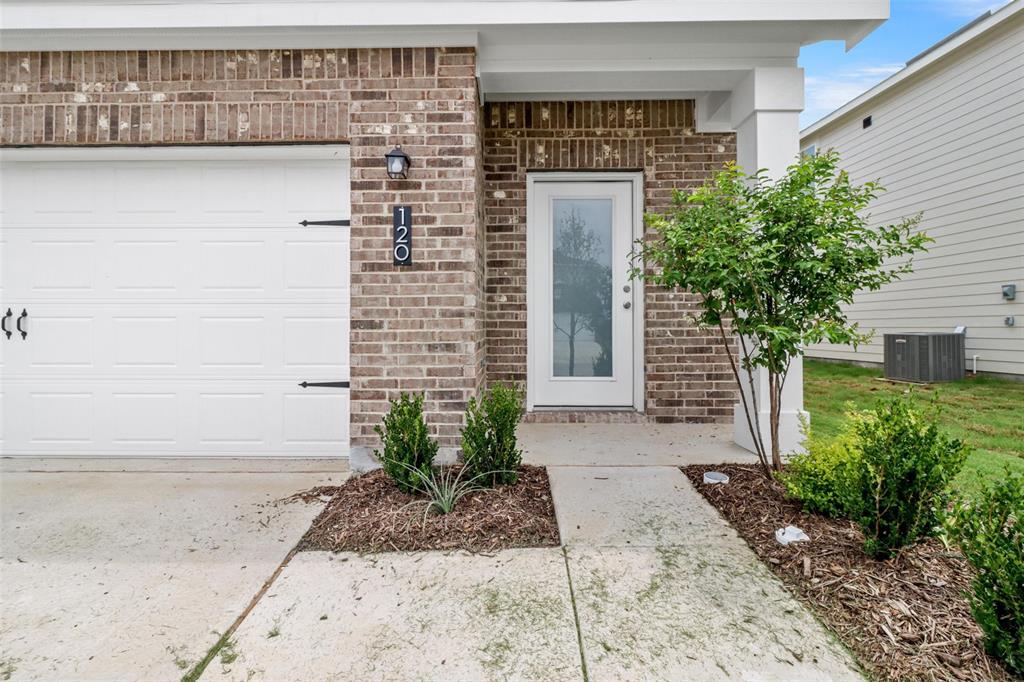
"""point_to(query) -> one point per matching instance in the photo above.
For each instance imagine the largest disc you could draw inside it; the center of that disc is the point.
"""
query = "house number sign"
(401, 249)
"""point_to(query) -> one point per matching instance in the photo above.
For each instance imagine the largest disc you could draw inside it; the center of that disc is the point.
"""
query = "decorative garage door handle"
(324, 384)
(337, 223)
(3, 322)
(23, 316)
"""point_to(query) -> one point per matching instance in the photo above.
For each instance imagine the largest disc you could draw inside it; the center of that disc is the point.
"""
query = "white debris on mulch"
(789, 534)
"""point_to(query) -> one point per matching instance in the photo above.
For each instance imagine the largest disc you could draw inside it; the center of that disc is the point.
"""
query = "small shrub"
(408, 450)
(906, 464)
(489, 443)
(990, 532)
(824, 480)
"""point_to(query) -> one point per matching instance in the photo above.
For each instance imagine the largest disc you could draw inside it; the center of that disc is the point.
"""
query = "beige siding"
(948, 143)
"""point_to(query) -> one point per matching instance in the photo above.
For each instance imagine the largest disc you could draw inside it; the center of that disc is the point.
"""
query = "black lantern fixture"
(398, 163)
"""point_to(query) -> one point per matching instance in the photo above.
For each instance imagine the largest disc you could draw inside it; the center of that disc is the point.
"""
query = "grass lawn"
(987, 413)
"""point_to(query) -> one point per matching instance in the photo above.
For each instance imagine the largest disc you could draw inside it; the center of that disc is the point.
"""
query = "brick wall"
(418, 328)
(687, 378)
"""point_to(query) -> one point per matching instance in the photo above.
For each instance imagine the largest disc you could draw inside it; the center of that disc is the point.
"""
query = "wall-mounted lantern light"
(398, 163)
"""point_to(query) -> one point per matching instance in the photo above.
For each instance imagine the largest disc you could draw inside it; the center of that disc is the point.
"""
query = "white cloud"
(825, 94)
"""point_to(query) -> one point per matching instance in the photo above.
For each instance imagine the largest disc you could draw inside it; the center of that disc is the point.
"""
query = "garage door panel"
(173, 418)
(311, 343)
(187, 264)
(62, 416)
(146, 267)
(309, 266)
(234, 341)
(236, 265)
(311, 419)
(61, 340)
(62, 265)
(145, 341)
(175, 305)
(233, 418)
(207, 193)
(209, 341)
(145, 417)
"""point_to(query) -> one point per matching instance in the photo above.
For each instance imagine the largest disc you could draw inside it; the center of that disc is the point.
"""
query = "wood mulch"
(369, 514)
(905, 618)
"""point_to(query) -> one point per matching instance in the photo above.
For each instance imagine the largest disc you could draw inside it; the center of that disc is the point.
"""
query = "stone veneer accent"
(416, 328)
(687, 377)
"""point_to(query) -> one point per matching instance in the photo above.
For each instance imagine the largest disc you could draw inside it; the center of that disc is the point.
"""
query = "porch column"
(765, 111)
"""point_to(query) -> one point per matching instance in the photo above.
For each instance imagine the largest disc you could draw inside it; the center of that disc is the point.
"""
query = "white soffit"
(168, 24)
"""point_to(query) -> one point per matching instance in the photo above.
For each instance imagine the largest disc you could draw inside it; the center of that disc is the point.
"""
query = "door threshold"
(584, 415)
(572, 408)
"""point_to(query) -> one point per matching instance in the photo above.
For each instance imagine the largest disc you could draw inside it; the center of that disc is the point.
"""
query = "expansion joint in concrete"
(575, 615)
(197, 671)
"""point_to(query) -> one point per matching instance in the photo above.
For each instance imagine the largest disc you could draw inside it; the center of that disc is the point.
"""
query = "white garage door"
(172, 303)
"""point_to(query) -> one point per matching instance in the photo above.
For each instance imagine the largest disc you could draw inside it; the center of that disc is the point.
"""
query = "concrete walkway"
(666, 590)
(134, 575)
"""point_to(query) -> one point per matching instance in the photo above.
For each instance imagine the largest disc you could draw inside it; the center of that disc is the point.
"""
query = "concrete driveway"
(109, 575)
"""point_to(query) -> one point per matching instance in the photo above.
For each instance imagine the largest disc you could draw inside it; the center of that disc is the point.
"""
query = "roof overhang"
(537, 49)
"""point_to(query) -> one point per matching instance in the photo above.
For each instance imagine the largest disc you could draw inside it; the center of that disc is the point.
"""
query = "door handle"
(627, 305)
(23, 316)
(3, 322)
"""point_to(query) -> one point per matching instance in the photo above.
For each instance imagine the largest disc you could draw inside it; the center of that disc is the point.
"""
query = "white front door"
(171, 302)
(582, 306)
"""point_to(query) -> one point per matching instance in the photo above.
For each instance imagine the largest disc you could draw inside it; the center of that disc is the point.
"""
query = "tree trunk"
(775, 409)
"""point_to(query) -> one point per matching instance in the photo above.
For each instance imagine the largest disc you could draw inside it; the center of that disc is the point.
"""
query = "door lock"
(627, 289)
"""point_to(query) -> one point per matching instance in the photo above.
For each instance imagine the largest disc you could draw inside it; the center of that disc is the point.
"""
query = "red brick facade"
(686, 377)
(432, 327)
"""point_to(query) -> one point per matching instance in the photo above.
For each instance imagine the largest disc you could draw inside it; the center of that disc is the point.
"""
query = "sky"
(834, 77)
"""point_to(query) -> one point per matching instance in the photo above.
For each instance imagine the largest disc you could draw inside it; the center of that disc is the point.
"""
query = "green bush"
(906, 464)
(489, 438)
(408, 449)
(824, 479)
(990, 532)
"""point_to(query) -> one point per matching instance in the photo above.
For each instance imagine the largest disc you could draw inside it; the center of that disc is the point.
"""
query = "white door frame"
(636, 180)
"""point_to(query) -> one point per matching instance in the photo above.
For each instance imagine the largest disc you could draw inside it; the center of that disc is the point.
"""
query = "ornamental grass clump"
(489, 443)
(407, 450)
(444, 487)
(990, 533)
(906, 466)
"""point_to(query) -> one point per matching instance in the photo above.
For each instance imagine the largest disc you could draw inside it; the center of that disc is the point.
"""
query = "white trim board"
(197, 152)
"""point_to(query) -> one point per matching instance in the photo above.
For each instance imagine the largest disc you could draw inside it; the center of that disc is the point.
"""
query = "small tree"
(776, 260)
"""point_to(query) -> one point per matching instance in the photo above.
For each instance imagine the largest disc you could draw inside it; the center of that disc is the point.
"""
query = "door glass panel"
(582, 288)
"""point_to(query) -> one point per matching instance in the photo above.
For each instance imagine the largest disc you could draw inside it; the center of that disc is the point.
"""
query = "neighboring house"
(159, 158)
(945, 136)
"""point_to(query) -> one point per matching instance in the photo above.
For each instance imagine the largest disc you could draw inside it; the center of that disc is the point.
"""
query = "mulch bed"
(905, 618)
(369, 514)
